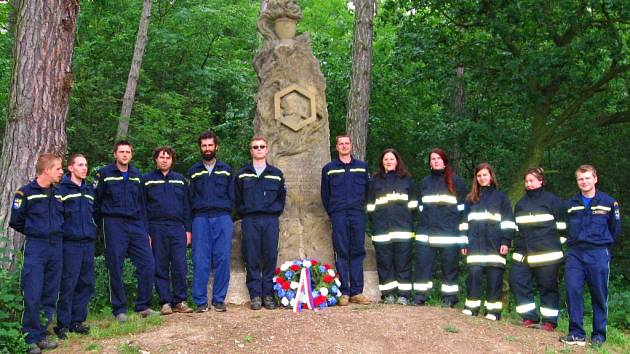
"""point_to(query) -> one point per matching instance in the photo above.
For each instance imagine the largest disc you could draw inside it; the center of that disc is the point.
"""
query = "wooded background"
(522, 84)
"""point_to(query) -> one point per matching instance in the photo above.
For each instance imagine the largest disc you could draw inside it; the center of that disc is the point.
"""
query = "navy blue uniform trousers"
(211, 250)
(260, 245)
(77, 283)
(591, 266)
(169, 251)
(522, 283)
(41, 276)
(424, 266)
(348, 236)
(126, 237)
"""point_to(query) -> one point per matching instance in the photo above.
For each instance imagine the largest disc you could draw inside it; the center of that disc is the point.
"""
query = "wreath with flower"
(324, 283)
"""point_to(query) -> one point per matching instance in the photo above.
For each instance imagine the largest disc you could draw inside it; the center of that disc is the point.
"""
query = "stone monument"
(291, 112)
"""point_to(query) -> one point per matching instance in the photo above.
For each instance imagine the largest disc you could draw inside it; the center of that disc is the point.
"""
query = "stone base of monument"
(237, 291)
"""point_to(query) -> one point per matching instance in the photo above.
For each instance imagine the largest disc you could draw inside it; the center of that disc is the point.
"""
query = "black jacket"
(391, 206)
(488, 224)
(539, 215)
(440, 211)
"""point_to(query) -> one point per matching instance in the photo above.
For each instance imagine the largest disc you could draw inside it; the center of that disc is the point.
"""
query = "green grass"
(93, 347)
(450, 329)
(111, 328)
(128, 348)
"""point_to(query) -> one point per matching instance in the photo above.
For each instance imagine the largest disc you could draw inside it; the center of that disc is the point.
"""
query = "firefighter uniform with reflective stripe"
(344, 189)
(79, 233)
(592, 230)
(539, 216)
(489, 224)
(212, 200)
(38, 214)
(260, 200)
(168, 212)
(121, 204)
(391, 205)
(438, 229)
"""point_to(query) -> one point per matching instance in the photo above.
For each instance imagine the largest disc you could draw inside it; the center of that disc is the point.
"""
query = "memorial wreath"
(306, 283)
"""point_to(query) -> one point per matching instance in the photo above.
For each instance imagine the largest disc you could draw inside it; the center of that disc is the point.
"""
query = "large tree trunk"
(359, 94)
(38, 99)
(134, 71)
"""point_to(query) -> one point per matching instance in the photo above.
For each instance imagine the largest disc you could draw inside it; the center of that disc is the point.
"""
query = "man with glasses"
(260, 198)
(212, 199)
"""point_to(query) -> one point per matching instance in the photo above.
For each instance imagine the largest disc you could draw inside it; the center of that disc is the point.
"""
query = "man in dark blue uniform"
(212, 199)
(260, 198)
(37, 212)
(594, 223)
(120, 197)
(344, 190)
(168, 211)
(79, 233)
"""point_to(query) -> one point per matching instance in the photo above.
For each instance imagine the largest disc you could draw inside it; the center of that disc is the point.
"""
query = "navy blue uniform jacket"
(596, 225)
(37, 213)
(211, 194)
(260, 195)
(167, 198)
(78, 202)
(119, 197)
(344, 186)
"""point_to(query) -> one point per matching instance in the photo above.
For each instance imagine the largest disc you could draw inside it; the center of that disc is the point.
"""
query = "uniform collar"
(535, 193)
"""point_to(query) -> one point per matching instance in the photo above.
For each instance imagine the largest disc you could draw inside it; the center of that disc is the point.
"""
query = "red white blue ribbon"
(304, 288)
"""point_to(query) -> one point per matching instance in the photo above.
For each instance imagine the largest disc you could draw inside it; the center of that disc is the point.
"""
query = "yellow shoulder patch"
(19, 192)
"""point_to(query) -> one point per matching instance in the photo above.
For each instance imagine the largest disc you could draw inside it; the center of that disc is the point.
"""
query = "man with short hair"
(120, 197)
(260, 198)
(212, 198)
(37, 212)
(344, 195)
(594, 222)
(79, 233)
(168, 212)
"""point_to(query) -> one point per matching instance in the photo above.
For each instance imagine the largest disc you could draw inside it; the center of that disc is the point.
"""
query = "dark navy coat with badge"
(211, 194)
(440, 211)
(37, 212)
(167, 198)
(260, 195)
(539, 216)
(489, 224)
(79, 209)
(596, 225)
(120, 197)
(344, 186)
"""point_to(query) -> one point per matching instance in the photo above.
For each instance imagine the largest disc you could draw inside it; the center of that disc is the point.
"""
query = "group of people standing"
(152, 218)
(442, 216)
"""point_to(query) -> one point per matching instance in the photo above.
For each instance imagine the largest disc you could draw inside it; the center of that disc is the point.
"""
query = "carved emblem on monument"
(295, 107)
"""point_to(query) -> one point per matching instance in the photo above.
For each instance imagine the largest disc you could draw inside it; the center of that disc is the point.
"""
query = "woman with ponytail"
(441, 197)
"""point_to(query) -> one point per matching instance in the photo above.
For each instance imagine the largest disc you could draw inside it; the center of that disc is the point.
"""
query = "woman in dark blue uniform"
(489, 225)
(537, 252)
(391, 203)
(441, 205)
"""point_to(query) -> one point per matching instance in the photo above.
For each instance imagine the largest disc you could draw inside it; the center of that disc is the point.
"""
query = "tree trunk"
(534, 155)
(458, 113)
(134, 71)
(359, 94)
(38, 100)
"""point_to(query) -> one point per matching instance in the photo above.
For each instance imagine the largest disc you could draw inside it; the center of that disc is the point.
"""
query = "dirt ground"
(353, 329)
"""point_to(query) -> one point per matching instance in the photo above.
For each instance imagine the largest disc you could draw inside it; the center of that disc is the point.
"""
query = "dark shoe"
(402, 301)
(256, 303)
(597, 341)
(33, 349)
(269, 303)
(148, 313)
(80, 328)
(202, 308)
(61, 332)
(47, 344)
(449, 303)
(419, 301)
(548, 326)
(182, 307)
(572, 340)
(219, 306)
(122, 317)
(529, 323)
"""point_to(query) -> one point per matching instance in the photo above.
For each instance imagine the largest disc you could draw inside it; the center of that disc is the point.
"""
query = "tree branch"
(613, 118)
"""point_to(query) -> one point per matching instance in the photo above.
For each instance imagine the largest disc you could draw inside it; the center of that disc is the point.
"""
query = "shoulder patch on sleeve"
(17, 202)
(19, 192)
